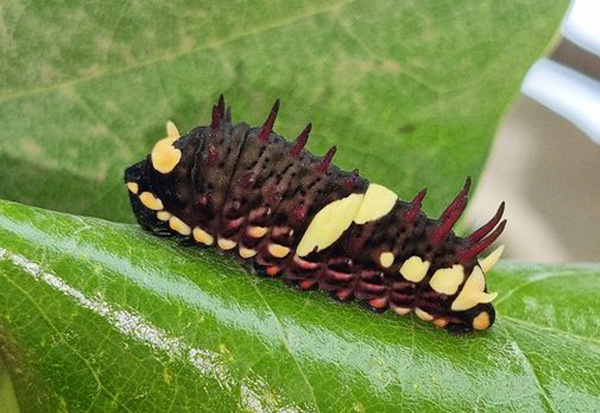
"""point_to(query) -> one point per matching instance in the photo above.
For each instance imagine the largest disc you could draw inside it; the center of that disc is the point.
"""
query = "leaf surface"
(101, 316)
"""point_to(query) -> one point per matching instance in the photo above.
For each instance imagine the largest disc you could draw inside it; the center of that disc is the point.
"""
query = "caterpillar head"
(480, 317)
(471, 305)
(154, 184)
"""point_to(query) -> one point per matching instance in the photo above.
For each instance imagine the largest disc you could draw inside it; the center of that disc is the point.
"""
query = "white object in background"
(567, 92)
(564, 90)
(582, 25)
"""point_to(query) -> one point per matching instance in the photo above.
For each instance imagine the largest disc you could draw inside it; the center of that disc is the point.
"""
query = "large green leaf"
(410, 91)
(101, 316)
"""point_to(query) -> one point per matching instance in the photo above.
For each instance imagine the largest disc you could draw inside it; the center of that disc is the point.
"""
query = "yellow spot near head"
(202, 236)
(247, 252)
(278, 251)
(482, 321)
(401, 310)
(423, 315)
(386, 259)
(226, 244)
(172, 131)
(488, 262)
(472, 292)
(178, 225)
(329, 224)
(414, 269)
(133, 187)
(378, 202)
(440, 322)
(256, 232)
(165, 156)
(447, 280)
(150, 201)
(163, 215)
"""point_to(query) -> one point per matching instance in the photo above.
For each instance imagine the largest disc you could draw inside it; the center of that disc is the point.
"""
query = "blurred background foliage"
(410, 92)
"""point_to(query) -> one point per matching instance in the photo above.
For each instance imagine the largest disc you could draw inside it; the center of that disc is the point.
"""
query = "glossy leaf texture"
(409, 91)
(101, 316)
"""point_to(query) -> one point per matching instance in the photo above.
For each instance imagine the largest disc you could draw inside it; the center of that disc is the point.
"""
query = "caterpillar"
(288, 213)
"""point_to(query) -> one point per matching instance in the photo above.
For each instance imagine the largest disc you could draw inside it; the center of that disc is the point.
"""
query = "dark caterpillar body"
(297, 216)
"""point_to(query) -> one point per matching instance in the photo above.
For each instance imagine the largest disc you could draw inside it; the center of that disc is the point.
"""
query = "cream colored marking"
(377, 203)
(401, 310)
(163, 215)
(256, 232)
(414, 269)
(247, 252)
(386, 259)
(150, 201)
(172, 131)
(278, 251)
(329, 224)
(447, 280)
(472, 292)
(488, 262)
(423, 315)
(164, 155)
(482, 321)
(179, 226)
(202, 236)
(133, 187)
(226, 244)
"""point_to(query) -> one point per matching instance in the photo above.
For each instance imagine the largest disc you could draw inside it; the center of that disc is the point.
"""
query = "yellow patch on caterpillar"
(378, 202)
(202, 236)
(172, 131)
(256, 232)
(472, 292)
(386, 259)
(401, 310)
(440, 322)
(150, 201)
(163, 215)
(278, 251)
(488, 262)
(247, 252)
(329, 224)
(414, 269)
(423, 315)
(482, 321)
(226, 244)
(447, 280)
(165, 156)
(178, 225)
(133, 187)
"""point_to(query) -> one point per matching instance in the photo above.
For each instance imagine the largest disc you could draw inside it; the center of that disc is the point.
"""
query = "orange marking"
(306, 284)
(273, 271)
(378, 303)
(306, 265)
(344, 294)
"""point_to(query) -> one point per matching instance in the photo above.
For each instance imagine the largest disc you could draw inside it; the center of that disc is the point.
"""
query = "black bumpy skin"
(252, 194)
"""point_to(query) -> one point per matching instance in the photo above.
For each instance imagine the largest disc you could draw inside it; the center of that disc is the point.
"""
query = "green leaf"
(101, 316)
(410, 91)
(8, 400)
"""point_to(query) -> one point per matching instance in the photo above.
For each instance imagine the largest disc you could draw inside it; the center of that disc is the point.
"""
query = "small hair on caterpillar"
(287, 213)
